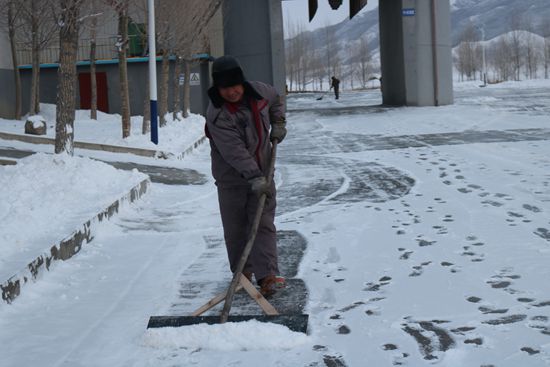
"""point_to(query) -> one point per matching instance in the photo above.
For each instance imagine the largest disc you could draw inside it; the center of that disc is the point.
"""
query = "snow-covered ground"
(176, 136)
(44, 199)
(428, 242)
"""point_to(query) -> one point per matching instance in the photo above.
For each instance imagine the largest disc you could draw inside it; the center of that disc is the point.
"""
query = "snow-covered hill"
(496, 17)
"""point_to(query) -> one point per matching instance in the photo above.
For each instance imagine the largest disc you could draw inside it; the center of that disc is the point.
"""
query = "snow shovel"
(323, 95)
(295, 322)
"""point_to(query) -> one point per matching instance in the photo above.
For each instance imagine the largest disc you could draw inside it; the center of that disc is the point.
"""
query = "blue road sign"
(409, 12)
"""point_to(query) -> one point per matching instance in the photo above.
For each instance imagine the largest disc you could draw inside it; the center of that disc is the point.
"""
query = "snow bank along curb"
(105, 147)
(69, 246)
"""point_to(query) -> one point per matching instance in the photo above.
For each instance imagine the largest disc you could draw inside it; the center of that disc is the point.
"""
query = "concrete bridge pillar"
(252, 31)
(7, 93)
(415, 46)
(415, 52)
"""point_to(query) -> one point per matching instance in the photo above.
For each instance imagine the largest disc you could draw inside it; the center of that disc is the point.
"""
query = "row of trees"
(515, 55)
(310, 67)
(521, 53)
(37, 24)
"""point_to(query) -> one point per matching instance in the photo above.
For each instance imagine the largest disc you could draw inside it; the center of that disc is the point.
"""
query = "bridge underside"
(415, 46)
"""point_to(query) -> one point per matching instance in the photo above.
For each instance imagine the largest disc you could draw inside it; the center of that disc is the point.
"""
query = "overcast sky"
(297, 12)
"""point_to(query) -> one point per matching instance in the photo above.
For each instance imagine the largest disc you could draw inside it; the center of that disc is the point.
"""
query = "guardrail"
(105, 49)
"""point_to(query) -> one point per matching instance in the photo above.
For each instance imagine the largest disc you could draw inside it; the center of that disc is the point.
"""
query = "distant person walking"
(335, 83)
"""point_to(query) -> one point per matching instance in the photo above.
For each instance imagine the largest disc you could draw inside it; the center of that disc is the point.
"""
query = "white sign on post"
(181, 79)
(194, 79)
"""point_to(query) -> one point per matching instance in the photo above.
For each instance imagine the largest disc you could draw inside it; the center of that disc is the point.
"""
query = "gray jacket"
(238, 154)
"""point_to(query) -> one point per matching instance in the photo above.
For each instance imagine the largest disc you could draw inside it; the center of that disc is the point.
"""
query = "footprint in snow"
(453, 268)
(432, 339)
(532, 208)
(423, 243)
(475, 257)
(462, 330)
(543, 233)
(405, 255)
(503, 281)
(511, 319)
(334, 361)
(399, 358)
(540, 323)
(419, 269)
(375, 287)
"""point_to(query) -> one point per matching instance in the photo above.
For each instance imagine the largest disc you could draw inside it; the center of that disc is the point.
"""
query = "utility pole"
(152, 71)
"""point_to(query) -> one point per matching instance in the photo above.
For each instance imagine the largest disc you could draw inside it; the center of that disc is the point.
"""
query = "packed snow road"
(422, 236)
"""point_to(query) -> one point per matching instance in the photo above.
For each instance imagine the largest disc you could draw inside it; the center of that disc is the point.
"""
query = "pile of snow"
(231, 336)
(36, 121)
(44, 198)
(175, 137)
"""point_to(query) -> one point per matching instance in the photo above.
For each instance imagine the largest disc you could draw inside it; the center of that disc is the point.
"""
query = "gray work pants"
(238, 207)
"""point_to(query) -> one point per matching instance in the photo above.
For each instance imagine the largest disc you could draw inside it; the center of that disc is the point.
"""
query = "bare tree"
(290, 64)
(93, 78)
(516, 45)
(181, 26)
(468, 53)
(95, 11)
(187, 87)
(532, 57)
(10, 14)
(122, 7)
(304, 56)
(532, 51)
(299, 57)
(191, 37)
(176, 87)
(364, 60)
(516, 49)
(146, 121)
(164, 13)
(546, 33)
(37, 33)
(500, 57)
(318, 68)
(140, 7)
(66, 88)
(331, 51)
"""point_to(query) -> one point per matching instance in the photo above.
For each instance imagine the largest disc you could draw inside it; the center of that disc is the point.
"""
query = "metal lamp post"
(152, 71)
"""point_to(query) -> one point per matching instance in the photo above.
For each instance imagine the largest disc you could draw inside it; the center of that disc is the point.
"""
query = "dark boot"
(270, 284)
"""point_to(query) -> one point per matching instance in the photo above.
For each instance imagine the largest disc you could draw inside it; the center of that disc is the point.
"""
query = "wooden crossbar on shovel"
(295, 322)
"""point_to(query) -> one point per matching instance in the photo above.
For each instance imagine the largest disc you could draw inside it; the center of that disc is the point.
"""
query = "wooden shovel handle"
(250, 243)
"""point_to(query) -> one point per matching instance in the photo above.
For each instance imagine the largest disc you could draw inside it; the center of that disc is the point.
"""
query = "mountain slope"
(496, 17)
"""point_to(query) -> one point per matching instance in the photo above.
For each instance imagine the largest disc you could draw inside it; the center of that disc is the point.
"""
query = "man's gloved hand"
(278, 131)
(259, 186)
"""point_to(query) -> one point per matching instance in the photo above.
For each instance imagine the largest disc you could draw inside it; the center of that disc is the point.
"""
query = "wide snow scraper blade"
(296, 322)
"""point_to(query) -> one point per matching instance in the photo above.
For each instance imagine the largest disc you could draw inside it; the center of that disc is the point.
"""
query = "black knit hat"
(226, 72)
